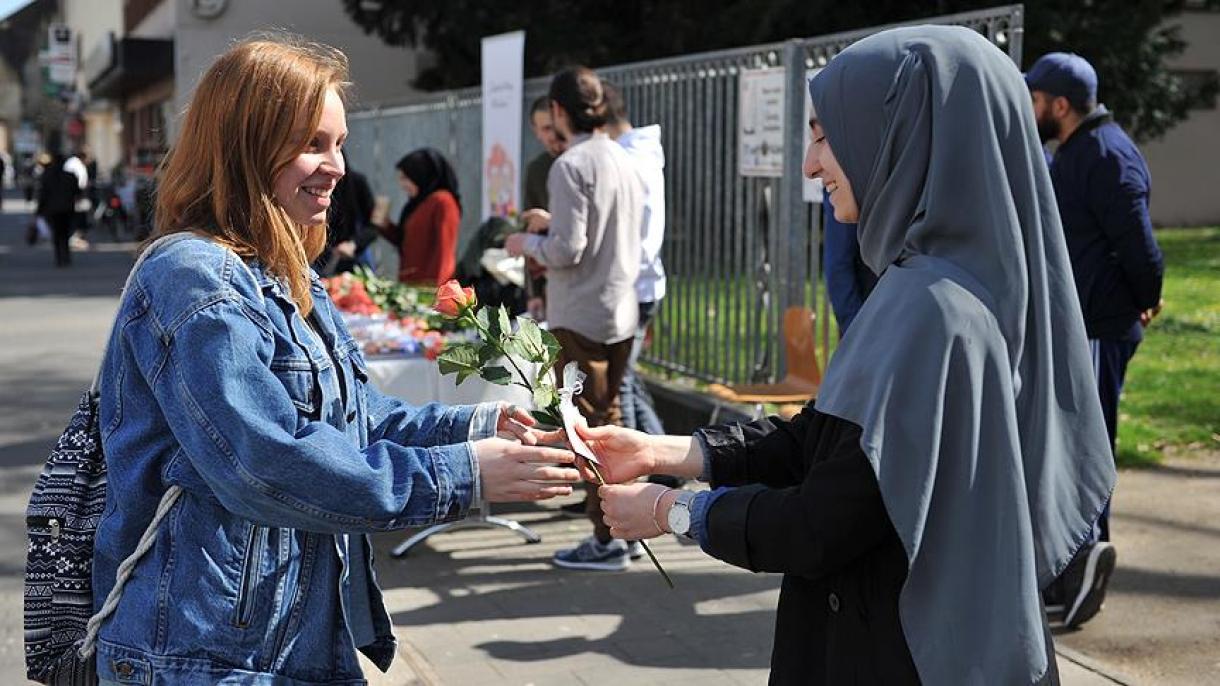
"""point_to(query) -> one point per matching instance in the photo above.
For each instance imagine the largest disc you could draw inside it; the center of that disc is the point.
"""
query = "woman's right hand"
(514, 472)
(624, 454)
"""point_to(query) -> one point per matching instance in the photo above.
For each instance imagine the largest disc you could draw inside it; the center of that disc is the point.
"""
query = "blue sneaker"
(590, 554)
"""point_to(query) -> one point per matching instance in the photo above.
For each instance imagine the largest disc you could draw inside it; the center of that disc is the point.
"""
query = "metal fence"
(738, 250)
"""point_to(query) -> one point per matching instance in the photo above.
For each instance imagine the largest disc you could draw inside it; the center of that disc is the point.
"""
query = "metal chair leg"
(478, 521)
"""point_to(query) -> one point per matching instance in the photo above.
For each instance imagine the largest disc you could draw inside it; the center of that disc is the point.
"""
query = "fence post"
(791, 259)
(1016, 34)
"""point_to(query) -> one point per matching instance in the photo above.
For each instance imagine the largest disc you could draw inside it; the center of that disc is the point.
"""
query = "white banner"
(760, 122)
(503, 75)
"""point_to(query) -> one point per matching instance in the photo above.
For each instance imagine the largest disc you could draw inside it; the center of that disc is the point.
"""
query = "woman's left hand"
(518, 423)
(628, 509)
(514, 245)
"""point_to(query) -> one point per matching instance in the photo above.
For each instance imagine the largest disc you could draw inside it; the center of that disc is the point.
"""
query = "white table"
(419, 381)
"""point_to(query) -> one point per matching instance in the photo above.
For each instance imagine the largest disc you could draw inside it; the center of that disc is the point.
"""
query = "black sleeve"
(767, 451)
(828, 521)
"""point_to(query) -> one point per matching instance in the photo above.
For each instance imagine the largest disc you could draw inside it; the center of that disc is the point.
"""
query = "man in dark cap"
(1102, 186)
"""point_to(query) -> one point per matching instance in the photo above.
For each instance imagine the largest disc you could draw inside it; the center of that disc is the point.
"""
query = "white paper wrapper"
(573, 384)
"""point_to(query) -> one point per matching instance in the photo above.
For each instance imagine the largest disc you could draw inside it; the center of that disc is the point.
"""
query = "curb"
(1085, 662)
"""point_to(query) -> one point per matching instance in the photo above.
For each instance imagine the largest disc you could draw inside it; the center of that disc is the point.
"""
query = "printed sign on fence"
(761, 122)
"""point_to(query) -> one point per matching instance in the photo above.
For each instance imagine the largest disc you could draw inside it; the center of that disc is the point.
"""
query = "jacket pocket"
(251, 569)
(301, 387)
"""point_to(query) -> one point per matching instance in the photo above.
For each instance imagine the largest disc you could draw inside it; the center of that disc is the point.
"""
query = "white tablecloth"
(418, 381)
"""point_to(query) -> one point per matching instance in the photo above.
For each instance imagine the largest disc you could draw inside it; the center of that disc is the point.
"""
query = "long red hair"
(253, 111)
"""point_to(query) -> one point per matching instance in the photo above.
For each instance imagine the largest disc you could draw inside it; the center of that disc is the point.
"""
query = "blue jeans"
(634, 398)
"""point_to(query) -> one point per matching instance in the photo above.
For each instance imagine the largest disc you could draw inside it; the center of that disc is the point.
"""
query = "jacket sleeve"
(238, 426)
(565, 243)
(832, 518)
(767, 451)
(1118, 194)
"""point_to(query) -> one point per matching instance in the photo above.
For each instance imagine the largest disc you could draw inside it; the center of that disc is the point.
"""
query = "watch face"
(679, 517)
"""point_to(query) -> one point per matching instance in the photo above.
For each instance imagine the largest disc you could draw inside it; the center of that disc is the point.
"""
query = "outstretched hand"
(512, 471)
(623, 454)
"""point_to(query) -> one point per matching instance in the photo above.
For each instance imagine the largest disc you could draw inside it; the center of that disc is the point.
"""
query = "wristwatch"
(679, 514)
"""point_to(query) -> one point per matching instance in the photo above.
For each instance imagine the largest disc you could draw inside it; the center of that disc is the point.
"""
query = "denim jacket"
(286, 455)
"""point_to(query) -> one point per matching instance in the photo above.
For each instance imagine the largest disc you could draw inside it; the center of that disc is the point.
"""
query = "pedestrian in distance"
(231, 377)
(58, 191)
(427, 229)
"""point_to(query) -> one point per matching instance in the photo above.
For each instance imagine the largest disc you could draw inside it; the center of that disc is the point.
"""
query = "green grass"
(1172, 394)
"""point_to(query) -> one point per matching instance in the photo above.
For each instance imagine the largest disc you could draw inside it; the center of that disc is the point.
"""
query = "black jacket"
(810, 507)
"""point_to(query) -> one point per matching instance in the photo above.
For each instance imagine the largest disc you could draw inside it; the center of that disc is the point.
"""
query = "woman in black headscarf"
(427, 230)
(956, 457)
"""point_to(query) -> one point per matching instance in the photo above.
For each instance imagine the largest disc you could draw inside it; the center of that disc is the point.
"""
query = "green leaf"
(547, 418)
(513, 345)
(463, 375)
(484, 320)
(545, 397)
(552, 348)
(506, 326)
(462, 360)
(487, 354)
(497, 375)
(531, 341)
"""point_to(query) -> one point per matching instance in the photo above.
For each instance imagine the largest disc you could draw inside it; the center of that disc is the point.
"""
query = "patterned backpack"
(61, 521)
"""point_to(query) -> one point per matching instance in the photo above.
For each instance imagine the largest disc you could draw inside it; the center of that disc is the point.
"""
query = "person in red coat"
(427, 230)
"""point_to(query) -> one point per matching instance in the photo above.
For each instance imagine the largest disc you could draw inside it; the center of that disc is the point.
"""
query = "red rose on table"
(452, 300)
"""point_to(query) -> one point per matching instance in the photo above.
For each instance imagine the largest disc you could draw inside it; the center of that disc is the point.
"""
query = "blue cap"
(1064, 74)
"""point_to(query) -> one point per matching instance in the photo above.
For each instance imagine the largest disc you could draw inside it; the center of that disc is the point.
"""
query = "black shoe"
(1085, 582)
(574, 510)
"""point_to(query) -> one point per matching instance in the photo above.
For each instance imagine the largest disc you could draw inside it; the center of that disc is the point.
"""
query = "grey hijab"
(967, 367)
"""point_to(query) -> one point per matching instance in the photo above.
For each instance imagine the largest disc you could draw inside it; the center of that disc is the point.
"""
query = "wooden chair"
(797, 387)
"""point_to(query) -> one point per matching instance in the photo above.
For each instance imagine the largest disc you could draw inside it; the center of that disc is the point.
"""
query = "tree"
(1126, 40)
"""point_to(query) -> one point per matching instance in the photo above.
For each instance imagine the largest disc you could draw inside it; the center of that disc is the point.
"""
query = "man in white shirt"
(644, 146)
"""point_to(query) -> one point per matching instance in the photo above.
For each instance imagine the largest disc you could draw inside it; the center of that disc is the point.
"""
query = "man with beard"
(1102, 186)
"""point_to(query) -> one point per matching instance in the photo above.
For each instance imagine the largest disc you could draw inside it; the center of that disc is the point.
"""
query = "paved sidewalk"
(482, 607)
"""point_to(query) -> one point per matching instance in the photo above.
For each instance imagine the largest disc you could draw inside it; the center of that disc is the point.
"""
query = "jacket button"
(833, 599)
(123, 669)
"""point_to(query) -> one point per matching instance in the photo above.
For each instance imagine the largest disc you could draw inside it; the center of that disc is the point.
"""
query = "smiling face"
(820, 163)
(303, 187)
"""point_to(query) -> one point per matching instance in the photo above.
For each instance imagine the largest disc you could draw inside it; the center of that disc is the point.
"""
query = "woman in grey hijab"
(956, 456)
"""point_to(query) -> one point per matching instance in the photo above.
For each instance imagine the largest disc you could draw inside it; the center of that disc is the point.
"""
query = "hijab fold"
(967, 368)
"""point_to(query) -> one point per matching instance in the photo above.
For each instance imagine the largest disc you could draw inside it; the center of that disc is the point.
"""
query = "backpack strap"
(152, 247)
(89, 643)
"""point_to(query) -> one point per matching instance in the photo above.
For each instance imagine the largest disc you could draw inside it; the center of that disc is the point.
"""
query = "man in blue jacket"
(1102, 186)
